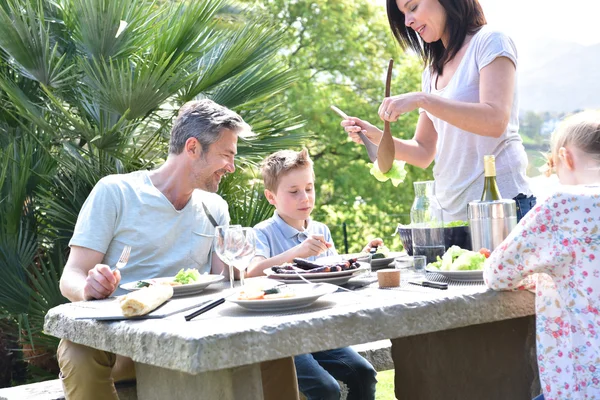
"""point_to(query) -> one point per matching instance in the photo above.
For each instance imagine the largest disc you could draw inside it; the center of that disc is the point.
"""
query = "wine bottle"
(490, 187)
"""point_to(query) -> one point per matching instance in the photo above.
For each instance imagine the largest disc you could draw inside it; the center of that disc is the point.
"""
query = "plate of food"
(186, 282)
(313, 271)
(281, 297)
(383, 260)
(460, 265)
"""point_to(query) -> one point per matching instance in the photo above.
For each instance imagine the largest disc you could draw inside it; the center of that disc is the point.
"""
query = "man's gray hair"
(205, 121)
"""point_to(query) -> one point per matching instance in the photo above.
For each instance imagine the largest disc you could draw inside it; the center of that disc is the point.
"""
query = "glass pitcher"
(427, 222)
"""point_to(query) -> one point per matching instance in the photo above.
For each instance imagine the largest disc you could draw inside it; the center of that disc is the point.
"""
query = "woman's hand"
(393, 107)
(353, 125)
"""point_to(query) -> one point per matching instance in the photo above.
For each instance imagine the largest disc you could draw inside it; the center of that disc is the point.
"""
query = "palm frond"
(253, 85)
(16, 254)
(21, 102)
(188, 28)
(25, 37)
(247, 204)
(236, 51)
(108, 29)
(136, 88)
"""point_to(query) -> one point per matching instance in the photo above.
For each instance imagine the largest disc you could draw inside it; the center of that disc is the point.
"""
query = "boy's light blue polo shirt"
(274, 236)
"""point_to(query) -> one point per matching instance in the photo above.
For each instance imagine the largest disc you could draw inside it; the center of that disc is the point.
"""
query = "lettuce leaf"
(468, 261)
(449, 256)
(396, 174)
(187, 276)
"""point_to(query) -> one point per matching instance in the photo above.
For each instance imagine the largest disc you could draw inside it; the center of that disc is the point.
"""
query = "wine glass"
(219, 247)
(242, 247)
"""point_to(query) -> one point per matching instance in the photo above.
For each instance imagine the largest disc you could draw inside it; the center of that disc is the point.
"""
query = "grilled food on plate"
(303, 266)
(147, 299)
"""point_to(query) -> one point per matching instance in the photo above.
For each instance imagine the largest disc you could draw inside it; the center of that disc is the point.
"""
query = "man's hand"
(373, 244)
(312, 246)
(101, 282)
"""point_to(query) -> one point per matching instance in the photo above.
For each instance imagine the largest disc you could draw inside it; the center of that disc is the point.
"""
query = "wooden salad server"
(386, 152)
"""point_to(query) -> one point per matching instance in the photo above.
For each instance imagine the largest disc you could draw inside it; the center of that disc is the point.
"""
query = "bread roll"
(142, 301)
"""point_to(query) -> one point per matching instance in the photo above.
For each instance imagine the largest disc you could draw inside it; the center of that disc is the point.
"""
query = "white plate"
(336, 280)
(476, 275)
(317, 275)
(305, 296)
(379, 263)
(181, 290)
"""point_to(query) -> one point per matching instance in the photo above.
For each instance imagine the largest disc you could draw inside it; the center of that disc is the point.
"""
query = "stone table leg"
(494, 361)
(242, 383)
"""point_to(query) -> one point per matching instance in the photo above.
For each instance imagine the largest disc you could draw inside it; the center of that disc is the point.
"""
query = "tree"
(340, 49)
(89, 88)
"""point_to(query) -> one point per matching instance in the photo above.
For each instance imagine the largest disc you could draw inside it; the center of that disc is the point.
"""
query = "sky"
(527, 20)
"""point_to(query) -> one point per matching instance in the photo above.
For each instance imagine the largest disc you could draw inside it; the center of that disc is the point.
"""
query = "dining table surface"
(218, 353)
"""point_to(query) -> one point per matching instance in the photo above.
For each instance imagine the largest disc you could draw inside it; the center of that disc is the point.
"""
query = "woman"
(467, 107)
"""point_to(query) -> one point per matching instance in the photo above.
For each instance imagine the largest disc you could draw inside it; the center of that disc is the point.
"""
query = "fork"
(123, 258)
(318, 284)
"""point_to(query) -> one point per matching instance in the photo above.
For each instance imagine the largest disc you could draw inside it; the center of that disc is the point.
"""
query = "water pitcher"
(427, 222)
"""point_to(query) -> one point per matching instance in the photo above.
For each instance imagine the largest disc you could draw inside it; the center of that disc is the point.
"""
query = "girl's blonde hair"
(278, 164)
(581, 130)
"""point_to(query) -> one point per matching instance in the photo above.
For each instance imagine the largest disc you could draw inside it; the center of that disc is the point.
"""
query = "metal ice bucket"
(491, 222)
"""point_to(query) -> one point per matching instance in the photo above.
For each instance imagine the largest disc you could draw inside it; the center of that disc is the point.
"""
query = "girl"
(557, 248)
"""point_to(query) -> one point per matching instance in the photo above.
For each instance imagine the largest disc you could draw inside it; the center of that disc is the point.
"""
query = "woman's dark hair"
(462, 17)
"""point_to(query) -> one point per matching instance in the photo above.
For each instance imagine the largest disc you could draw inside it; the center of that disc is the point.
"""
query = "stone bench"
(52, 390)
(377, 353)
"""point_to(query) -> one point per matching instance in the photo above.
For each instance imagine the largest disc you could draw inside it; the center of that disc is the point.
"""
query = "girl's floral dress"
(557, 247)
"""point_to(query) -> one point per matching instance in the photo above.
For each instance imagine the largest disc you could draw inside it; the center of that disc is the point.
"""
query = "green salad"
(397, 174)
(382, 252)
(453, 224)
(457, 259)
(188, 276)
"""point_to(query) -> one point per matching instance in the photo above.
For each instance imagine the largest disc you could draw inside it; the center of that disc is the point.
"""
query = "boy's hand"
(373, 243)
(312, 246)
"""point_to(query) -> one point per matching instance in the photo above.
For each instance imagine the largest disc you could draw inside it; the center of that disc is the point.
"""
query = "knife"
(434, 285)
(370, 146)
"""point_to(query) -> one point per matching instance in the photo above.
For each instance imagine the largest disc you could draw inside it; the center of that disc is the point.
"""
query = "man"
(162, 216)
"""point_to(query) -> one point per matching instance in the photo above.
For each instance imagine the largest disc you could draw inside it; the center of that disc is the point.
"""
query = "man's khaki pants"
(89, 374)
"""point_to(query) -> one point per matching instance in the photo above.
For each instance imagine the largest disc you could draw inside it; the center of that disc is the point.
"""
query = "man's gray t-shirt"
(274, 236)
(127, 209)
(458, 169)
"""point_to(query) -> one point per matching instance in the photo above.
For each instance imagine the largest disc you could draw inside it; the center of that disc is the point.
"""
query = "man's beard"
(210, 184)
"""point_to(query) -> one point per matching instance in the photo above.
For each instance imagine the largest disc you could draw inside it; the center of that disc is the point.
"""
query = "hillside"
(560, 77)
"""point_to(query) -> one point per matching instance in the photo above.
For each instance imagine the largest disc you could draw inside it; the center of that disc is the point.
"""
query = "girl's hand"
(353, 125)
(393, 107)
(373, 243)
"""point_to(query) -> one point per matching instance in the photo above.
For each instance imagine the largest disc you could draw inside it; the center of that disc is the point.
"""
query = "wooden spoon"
(386, 151)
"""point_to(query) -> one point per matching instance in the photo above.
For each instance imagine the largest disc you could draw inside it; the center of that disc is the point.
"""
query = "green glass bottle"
(490, 187)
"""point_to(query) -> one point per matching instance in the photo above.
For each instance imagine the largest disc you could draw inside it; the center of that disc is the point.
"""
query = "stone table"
(217, 354)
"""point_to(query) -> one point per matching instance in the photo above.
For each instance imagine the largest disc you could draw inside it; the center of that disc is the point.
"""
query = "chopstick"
(206, 308)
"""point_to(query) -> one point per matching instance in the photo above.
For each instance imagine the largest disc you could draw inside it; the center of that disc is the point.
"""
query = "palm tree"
(90, 88)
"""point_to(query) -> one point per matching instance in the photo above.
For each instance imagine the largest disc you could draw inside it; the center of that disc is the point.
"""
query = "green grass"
(385, 385)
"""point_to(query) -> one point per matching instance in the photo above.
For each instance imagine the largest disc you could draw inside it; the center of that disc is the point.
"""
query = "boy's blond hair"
(279, 163)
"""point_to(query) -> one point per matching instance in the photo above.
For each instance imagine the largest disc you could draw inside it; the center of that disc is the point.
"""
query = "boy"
(289, 185)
